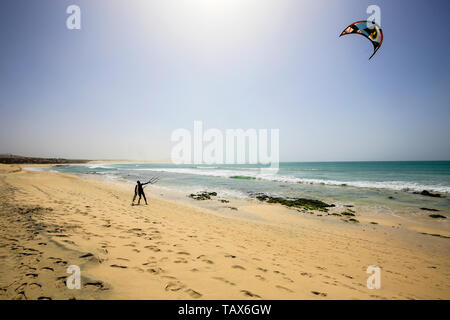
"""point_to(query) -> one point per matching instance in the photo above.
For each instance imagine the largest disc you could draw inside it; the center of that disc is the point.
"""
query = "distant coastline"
(15, 159)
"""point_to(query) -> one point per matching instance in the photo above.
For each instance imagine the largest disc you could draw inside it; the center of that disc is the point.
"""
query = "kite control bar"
(153, 180)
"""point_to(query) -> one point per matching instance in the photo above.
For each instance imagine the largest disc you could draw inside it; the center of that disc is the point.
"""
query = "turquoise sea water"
(377, 184)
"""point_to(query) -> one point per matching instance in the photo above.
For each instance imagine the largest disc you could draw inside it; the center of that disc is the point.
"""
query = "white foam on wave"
(393, 185)
(201, 172)
(99, 166)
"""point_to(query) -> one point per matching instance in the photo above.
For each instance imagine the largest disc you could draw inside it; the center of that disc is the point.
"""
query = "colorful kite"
(368, 29)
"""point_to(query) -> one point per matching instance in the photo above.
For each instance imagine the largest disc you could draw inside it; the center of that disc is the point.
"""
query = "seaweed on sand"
(309, 204)
(204, 195)
(435, 235)
(437, 216)
(243, 177)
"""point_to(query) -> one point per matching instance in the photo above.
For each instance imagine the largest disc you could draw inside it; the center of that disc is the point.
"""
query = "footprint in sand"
(306, 274)
(47, 268)
(250, 294)
(118, 266)
(317, 293)
(279, 272)
(32, 275)
(123, 259)
(180, 260)
(284, 288)
(224, 280)
(155, 271)
(194, 294)
(321, 268)
(238, 267)
(174, 286)
(203, 258)
(61, 280)
(61, 262)
(96, 284)
(153, 248)
(35, 285)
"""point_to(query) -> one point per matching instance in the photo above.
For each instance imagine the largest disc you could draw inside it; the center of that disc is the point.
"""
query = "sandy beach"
(181, 250)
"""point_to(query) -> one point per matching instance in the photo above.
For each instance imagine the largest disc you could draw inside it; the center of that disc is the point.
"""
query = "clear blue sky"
(137, 70)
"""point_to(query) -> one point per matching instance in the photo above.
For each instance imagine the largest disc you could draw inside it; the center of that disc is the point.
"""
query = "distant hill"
(14, 159)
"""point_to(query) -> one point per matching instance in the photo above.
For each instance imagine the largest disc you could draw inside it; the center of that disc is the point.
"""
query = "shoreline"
(428, 192)
(190, 249)
(416, 217)
(421, 223)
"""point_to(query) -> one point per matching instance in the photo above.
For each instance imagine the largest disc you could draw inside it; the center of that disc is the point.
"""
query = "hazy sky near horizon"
(137, 70)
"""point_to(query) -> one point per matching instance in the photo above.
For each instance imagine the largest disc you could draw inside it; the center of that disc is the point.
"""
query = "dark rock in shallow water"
(435, 235)
(309, 204)
(203, 195)
(243, 177)
(437, 216)
(260, 196)
(428, 194)
(335, 214)
(429, 209)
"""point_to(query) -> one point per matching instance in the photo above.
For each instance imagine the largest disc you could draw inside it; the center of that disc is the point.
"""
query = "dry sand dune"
(175, 250)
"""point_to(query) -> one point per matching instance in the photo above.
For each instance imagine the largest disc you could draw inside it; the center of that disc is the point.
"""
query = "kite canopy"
(368, 29)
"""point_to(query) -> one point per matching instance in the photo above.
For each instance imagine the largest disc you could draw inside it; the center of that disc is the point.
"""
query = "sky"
(138, 70)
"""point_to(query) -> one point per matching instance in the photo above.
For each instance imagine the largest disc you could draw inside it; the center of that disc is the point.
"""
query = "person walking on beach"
(139, 190)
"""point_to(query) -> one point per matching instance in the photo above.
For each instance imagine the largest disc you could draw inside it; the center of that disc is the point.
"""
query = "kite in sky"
(368, 29)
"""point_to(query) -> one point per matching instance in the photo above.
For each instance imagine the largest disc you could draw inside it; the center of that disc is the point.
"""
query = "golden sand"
(177, 250)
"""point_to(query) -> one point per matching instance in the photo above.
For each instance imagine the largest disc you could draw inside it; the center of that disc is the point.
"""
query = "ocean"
(387, 186)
